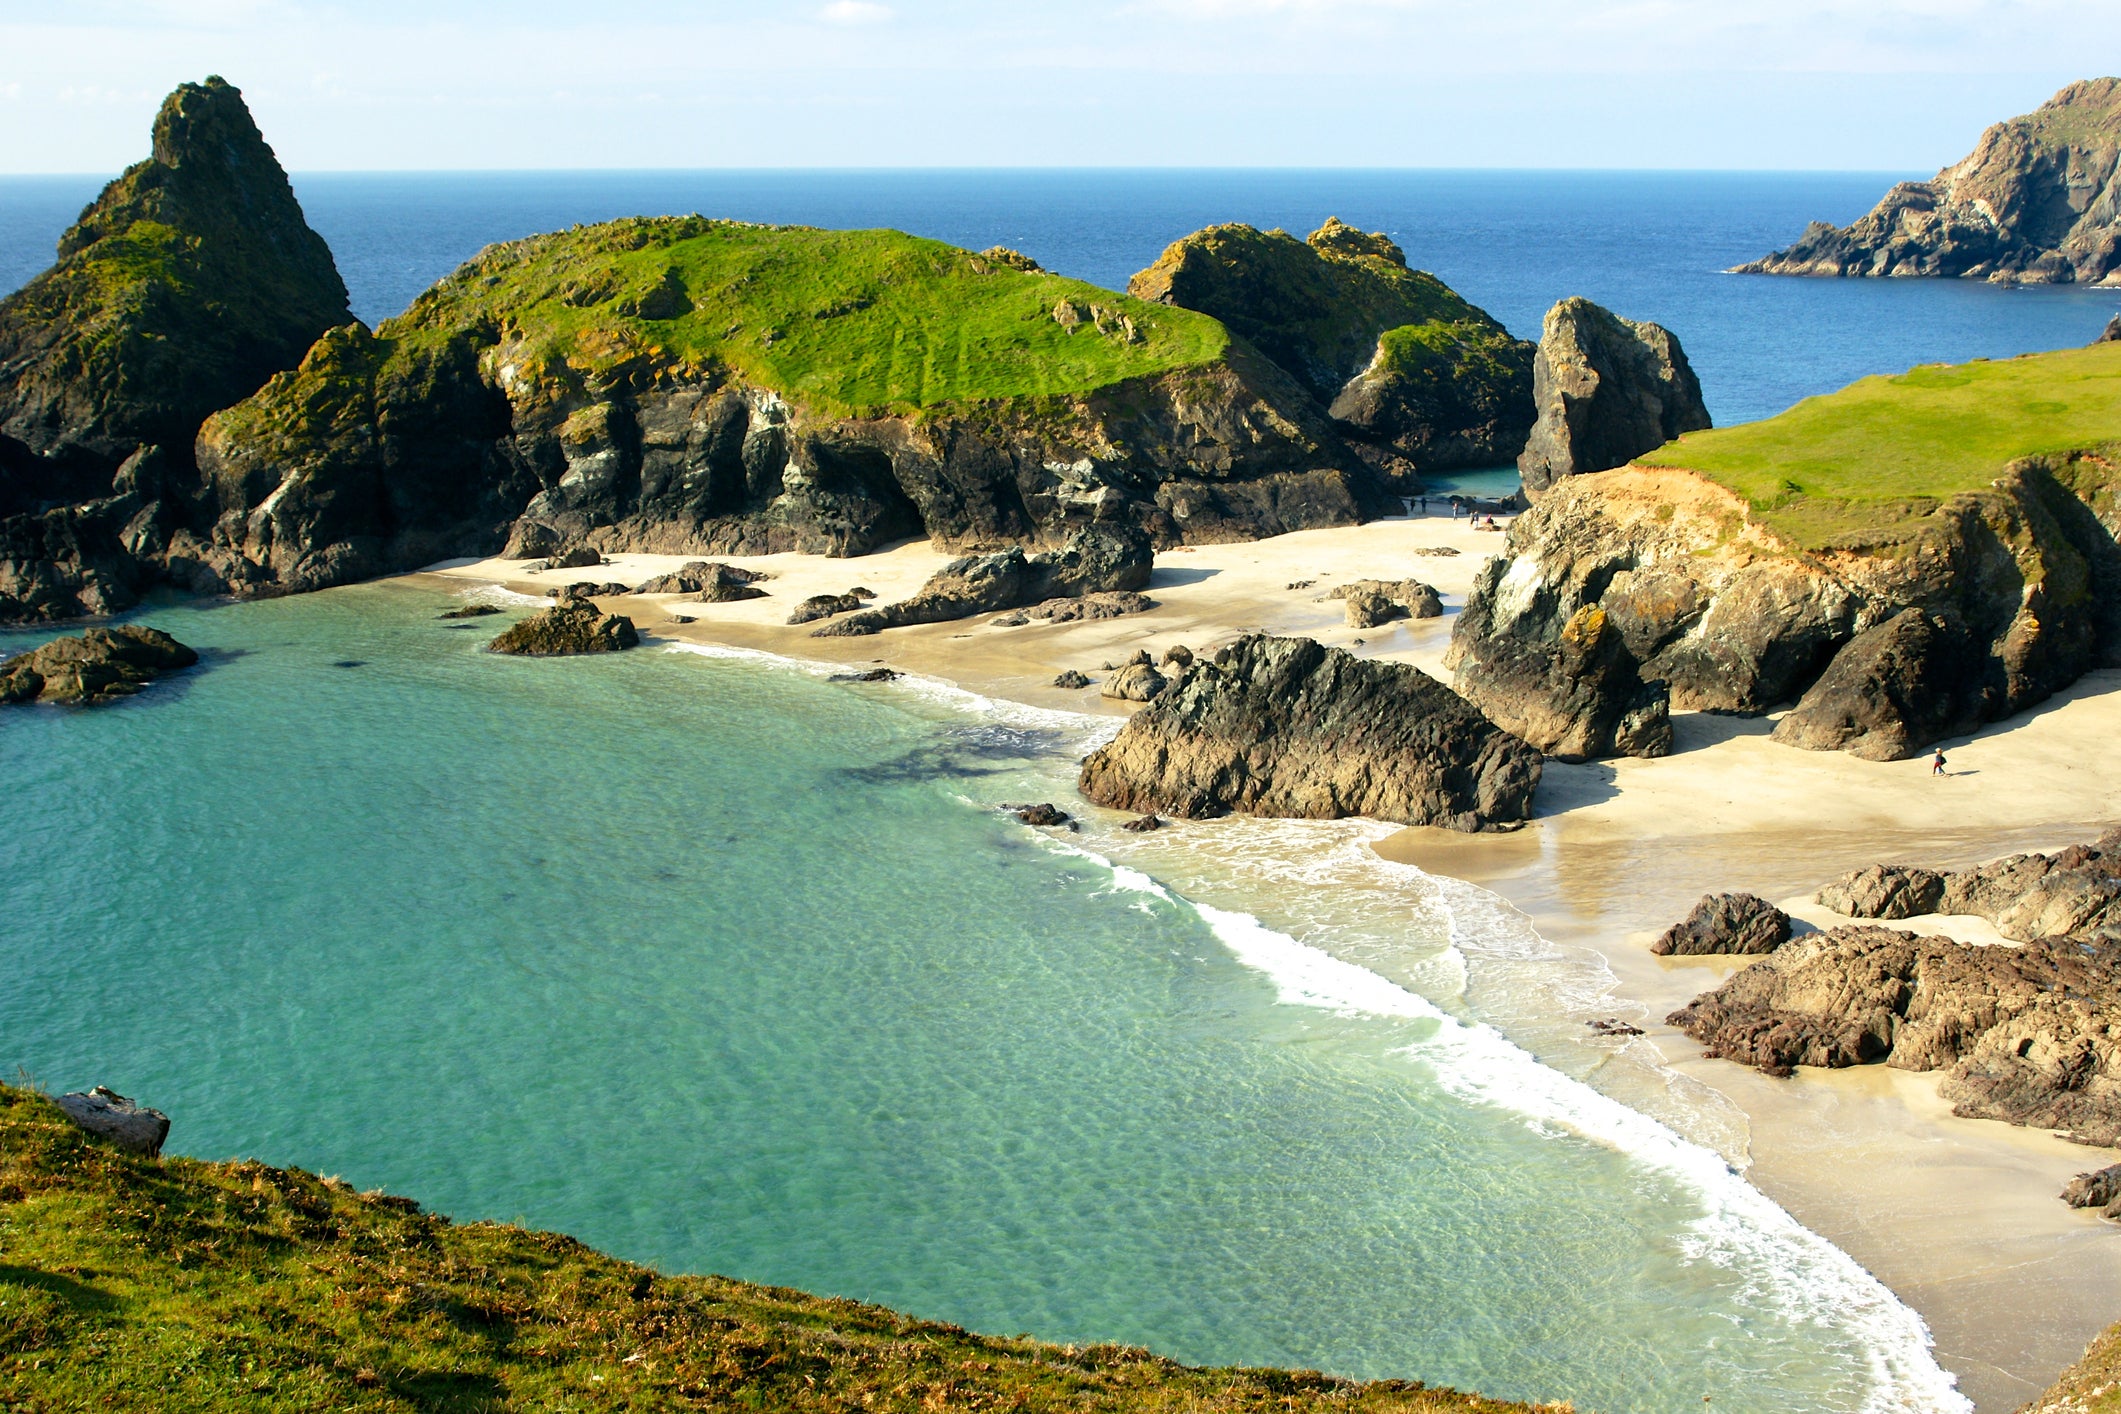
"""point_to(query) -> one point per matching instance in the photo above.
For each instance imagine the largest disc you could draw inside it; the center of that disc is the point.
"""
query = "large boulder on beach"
(2099, 1189)
(109, 1115)
(1889, 691)
(101, 665)
(1606, 390)
(1575, 695)
(1286, 726)
(574, 625)
(2030, 1035)
(1724, 924)
(1096, 559)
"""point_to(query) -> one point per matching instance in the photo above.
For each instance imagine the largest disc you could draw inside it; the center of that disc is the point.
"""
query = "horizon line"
(1051, 169)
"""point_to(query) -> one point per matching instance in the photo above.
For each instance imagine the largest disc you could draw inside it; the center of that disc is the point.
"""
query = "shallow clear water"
(724, 966)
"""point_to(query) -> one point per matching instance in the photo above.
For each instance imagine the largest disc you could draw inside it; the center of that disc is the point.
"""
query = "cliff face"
(1413, 375)
(2014, 590)
(2038, 201)
(191, 280)
(614, 386)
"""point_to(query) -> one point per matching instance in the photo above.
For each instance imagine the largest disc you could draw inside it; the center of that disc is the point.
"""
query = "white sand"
(1957, 1216)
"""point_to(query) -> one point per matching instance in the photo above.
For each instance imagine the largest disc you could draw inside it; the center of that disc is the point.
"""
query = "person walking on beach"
(1937, 763)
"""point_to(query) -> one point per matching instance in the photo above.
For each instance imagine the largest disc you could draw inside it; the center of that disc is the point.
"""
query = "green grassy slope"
(849, 322)
(1854, 468)
(132, 1284)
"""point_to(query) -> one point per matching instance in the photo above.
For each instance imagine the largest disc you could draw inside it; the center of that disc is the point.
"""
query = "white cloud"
(855, 12)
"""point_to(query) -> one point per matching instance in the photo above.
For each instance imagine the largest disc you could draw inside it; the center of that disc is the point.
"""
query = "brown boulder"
(574, 625)
(1726, 923)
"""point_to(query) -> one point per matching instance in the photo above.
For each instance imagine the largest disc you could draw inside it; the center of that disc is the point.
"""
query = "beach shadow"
(1564, 786)
(1162, 578)
(1691, 731)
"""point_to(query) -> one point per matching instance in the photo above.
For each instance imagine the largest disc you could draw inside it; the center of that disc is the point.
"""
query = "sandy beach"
(1959, 1217)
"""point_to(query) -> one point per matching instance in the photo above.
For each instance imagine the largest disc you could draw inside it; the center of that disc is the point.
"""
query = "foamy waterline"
(1799, 1275)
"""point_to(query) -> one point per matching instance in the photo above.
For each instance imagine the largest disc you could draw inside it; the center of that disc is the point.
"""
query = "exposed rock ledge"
(1095, 560)
(1284, 726)
(101, 665)
(2075, 892)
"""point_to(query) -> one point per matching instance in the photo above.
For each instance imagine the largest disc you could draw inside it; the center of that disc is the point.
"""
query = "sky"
(1869, 85)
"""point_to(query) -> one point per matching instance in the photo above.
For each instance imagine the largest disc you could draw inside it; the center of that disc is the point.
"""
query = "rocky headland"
(1416, 378)
(2038, 201)
(101, 665)
(1284, 726)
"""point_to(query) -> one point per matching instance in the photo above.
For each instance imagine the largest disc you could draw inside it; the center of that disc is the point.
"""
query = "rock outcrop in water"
(573, 625)
(1284, 726)
(2073, 892)
(2038, 201)
(191, 280)
(1414, 376)
(101, 665)
(1617, 591)
(2029, 1035)
(1605, 390)
(1096, 560)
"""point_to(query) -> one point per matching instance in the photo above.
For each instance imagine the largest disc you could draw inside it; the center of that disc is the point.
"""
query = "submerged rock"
(1726, 923)
(108, 1115)
(1284, 726)
(470, 611)
(1606, 390)
(574, 625)
(2030, 1035)
(101, 665)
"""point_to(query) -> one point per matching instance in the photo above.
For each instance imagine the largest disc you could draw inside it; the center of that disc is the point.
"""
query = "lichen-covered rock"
(574, 625)
(1095, 560)
(99, 666)
(1726, 923)
(1284, 726)
(1605, 390)
(109, 1115)
(1889, 691)
(2038, 201)
(2072, 892)
(1418, 378)
(2029, 1035)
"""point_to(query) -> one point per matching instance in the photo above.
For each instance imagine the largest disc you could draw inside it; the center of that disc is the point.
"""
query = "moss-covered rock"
(1410, 371)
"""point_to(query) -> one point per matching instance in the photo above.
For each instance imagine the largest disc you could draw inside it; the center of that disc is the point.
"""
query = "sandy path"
(1957, 1216)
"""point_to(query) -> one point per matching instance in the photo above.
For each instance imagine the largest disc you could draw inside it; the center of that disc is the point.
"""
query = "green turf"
(1856, 467)
(131, 1284)
(848, 322)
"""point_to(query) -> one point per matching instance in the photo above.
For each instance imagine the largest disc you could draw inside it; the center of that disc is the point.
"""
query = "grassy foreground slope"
(849, 322)
(129, 1283)
(1856, 468)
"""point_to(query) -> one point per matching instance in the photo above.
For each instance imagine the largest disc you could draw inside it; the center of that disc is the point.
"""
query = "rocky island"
(2038, 201)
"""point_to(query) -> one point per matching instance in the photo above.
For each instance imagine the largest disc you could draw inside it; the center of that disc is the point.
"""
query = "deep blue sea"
(721, 965)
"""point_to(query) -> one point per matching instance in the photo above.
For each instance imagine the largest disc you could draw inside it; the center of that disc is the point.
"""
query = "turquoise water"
(724, 966)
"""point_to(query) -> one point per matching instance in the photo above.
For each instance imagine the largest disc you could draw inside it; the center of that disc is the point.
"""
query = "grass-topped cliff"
(846, 322)
(132, 1283)
(1862, 467)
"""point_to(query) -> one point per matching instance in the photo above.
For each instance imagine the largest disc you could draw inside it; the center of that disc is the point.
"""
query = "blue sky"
(388, 84)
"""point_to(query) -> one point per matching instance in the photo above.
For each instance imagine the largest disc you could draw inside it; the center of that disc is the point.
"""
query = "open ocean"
(720, 965)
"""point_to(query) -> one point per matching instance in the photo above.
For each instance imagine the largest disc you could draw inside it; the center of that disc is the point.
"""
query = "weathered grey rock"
(1284, 726)
(1104, 605)
(587, 589)
(573, 625)
(2073, 892)
(2030, 1035)
(1887, 891)
(1376, 601)
(1577, 696)
(698, 577)
(1606, 390)
(1134, 682)
(1726, 923)
(109, 1115)
(1366, 608)
(1890, 691)
(2099, 1189)
(2112, 335)
(1095, 560)
(101, 665)
(575, 557)
(2038, 201)
(824, 606)
(1176, 656)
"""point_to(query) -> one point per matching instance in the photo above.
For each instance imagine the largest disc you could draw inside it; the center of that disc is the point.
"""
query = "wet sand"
(1959, 1217)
